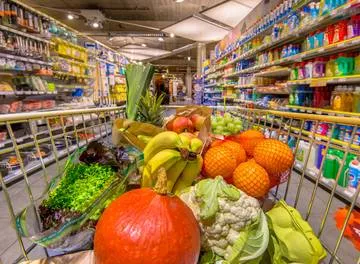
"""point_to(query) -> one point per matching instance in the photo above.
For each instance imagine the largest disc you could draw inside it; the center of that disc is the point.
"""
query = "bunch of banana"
(178, 154)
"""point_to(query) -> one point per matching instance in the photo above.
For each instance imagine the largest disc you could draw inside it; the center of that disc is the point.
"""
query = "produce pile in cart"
(188, 189)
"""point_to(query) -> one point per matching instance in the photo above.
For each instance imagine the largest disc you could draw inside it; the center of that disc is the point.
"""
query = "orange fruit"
(252, 179)
(274, 156)
(219, 161)
(249, 139)
(236, 149)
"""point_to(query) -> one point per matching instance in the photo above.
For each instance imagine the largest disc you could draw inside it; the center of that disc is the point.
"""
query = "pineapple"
(150, 109)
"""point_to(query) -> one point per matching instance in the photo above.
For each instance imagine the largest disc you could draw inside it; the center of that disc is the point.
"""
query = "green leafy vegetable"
(138, 78)
(80, 186)
(252, 243)
(209, 191)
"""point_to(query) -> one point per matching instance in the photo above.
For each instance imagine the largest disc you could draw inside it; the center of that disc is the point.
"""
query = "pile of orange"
(249, 161)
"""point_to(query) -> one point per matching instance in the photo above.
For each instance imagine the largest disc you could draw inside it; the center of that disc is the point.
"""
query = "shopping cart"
(316, 197)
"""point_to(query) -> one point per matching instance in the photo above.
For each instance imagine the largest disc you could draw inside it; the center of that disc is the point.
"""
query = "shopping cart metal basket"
(316, 197)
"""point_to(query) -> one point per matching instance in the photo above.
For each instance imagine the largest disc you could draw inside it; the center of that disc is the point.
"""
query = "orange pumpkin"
(146, 226)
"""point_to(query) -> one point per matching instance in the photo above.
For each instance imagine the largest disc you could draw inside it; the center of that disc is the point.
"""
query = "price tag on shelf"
(41, 92)
(2, 144)
(28, 92)
(318, 83)
(321, 50)
(318, 112)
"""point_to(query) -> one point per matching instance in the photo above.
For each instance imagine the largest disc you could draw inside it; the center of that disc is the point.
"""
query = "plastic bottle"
(356, 100)
(329, 35)
(337, 100)
(342, 65)
(340, 33)
(319, 39)
(331, 166)
(349, 99)
(319, 67)
(354, 175)
(309, 69)
(356, 63)
(301, 71)
(330, 66)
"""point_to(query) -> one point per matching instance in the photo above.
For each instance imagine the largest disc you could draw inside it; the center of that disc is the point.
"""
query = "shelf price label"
(318, 83)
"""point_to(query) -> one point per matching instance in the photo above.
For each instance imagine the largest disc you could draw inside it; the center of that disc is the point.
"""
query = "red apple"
(182, 124)
(197, 120)
(169, 125)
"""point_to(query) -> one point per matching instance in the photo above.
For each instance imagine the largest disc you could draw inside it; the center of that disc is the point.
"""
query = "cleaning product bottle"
(353, 175)
(356, 100)
(330, 66)
(331, 166)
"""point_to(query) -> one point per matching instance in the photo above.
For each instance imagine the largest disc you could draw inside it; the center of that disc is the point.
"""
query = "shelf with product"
(294, 28)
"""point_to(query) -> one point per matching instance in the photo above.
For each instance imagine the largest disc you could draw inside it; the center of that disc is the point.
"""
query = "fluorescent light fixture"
(230, 13)
(179, 1)
(197, 30)
(172, 35)
(189, 58)
(95, 25)
(143, 45)
(140, 52)
(163, 76)
(70, 16)
(249, 3)
(160, 39)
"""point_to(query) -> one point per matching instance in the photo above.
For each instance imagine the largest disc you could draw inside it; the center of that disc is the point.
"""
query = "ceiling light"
(172, 35)
(163, 76)
(143, 45)
(160, 39)
(95, 24)
(70, 16)
(179, 1)
(189, 58)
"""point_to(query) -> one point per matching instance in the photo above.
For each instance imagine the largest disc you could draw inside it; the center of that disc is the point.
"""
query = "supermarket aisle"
(9, 248)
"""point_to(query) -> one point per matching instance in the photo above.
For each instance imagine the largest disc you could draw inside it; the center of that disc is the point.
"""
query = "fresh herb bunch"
(150, 109)
(80, 187)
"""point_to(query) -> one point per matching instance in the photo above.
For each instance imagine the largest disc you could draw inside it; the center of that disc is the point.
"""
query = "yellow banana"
(188, 175)
(196, 145)
(174, 172)
(165, 158)
(146, 179)
(163, 140)
(185, 140)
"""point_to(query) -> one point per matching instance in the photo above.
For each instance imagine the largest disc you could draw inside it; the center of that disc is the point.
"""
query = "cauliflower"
(225, 215)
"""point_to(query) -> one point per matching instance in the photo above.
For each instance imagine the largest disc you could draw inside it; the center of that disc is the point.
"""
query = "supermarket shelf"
(69, 44)
(34, 165)
(300, 5)
(271, 90)
(15, 57)
(210, 85)
(274, 73)
(73, 75)
(15, 93)
(328, 185)
(316, 82)
(321, 111)
(73, 61)
(243, 101)
(21, 33)
(212, 92)
(60, 87)
(228, 85)
(299, 33)
(106, 61)
(244, 86)
(325, 138)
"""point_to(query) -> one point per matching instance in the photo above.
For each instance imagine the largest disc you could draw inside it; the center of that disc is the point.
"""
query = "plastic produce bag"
(291, 238)
(74, 233)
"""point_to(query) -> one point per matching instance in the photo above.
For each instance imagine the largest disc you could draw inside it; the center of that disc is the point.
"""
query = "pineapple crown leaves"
(150, 109)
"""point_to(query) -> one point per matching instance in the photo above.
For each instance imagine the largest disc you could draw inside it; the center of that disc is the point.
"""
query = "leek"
(138, 78)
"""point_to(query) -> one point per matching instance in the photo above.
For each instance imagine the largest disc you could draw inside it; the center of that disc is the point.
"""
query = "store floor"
(10, 250)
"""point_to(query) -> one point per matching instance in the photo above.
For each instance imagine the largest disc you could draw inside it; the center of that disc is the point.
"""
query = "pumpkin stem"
(161, 183)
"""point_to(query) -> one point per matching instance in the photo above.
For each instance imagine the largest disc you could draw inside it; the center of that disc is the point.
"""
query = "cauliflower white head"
(223, 213)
